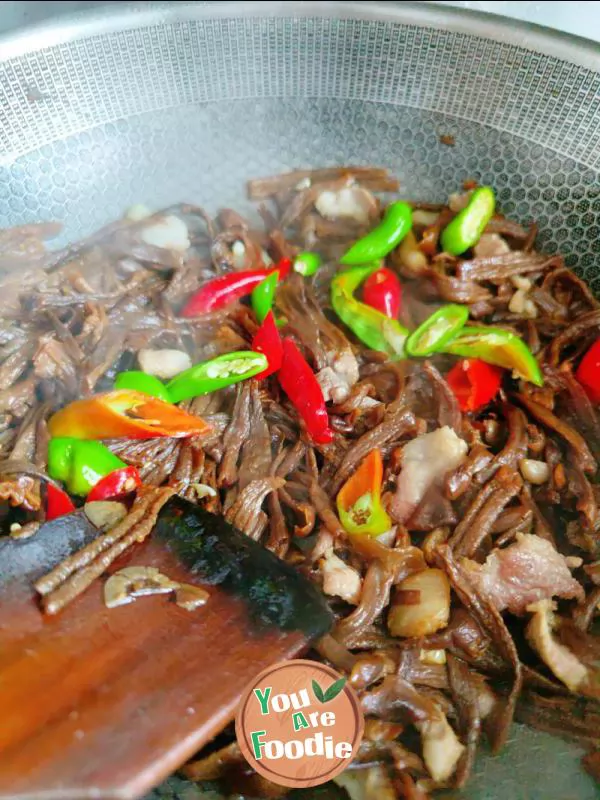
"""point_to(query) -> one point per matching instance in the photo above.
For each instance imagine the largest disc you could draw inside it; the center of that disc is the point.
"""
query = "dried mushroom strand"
(134, 528)
(47, 583)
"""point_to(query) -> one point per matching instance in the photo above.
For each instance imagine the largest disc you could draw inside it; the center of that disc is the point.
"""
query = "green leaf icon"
(318, 692)
(334, 689)
(331, 693)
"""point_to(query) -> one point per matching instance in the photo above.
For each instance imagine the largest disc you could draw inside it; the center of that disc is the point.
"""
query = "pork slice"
(526, 572)
(340, 579)
(426, 461)
(490, 245)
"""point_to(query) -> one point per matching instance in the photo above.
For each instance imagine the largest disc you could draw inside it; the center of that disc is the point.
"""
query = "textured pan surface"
(185, 103)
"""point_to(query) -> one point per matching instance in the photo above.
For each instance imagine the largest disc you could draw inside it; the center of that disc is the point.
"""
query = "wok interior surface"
(158, 107)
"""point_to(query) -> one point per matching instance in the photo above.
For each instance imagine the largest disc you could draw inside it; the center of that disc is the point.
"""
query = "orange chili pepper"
(359, 499)
(124, 413)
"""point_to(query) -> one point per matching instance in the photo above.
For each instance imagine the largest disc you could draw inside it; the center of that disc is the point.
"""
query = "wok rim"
(134, 15)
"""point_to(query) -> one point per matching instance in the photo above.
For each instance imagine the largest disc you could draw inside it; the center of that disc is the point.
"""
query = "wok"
(158, 103)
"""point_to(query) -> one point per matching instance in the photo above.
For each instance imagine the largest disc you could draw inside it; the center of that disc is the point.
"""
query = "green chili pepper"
(142, 382)
(79, 463)
(263, 295)
(307, 263)
(437, 330)
(375, 329)
(497, 346)
(467, 226)
(216, 374)
(396, 223)
(60, 452)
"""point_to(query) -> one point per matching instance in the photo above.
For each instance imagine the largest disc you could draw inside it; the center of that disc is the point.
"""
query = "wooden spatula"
(99, 703)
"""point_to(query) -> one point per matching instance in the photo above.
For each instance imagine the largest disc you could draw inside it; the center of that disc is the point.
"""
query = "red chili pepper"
(58, 503)
(225, 289)
(116, 484)
(382, 290)
(268, 342)
(588, 372)
(299, 383)
(474, 382)
(283, 267)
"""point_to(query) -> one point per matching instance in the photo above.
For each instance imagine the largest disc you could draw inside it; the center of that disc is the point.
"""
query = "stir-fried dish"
(398, 398)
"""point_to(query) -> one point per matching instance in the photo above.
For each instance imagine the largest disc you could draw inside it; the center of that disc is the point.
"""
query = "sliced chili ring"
(437, 331)
(219, 372)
